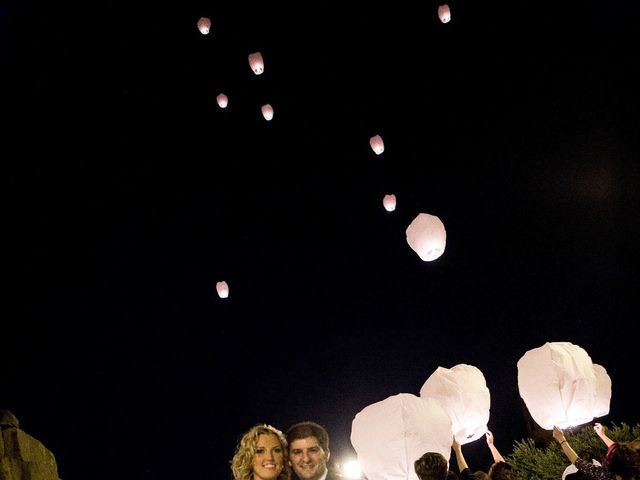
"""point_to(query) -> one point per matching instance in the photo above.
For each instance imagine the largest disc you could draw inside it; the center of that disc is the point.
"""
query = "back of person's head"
(306, 430)
(625, 460)
(431, 466)
(500, 471)
(481, 475)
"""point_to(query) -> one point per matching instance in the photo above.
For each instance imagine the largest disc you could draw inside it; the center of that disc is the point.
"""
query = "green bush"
(530, 462)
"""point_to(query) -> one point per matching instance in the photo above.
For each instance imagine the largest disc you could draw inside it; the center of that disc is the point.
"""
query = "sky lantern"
(389, 202)
(462, 391)
(444, 13)
(558, 384)
(267, 112)
(603, 391)
(222, 100)
(204, 25)
(256, 63)
(427, 237)
(377, 145)
(390, 435)
(223, 289)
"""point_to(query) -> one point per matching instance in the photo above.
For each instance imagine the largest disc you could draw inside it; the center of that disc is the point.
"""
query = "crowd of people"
(302, 452)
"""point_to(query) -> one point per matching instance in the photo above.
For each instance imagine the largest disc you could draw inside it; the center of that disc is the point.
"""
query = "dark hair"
(431, 466)
(309, 429)
(625, 460)
(501, 471)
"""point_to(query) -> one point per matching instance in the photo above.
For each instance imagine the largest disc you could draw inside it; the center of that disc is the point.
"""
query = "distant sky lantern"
(204, 25)
(444, 13)
(377, 145)
(223, 289)
(558, 385)
(222, 100)
(267, 112)
(389, 202)
(427, 237)
(603, 391)
(256, 63)
(462, 391)
(390, 435)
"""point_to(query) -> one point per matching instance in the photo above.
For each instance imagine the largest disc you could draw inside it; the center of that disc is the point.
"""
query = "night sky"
(129, 193)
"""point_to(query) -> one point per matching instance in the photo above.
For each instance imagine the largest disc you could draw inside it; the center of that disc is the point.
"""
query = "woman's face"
(268, 460)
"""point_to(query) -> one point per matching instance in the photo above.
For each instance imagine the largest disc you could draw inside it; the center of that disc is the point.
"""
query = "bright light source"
(351, 469)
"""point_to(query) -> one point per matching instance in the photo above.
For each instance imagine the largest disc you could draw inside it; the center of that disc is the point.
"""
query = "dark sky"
(129, 194)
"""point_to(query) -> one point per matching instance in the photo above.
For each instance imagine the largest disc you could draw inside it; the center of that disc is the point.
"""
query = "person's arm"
(558, 435)
(497, 457)
(457, 449)
(603, 436)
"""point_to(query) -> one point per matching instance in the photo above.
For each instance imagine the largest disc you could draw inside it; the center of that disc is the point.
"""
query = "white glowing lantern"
(256, 63)
(204, 25)
(267, 112)
(444, 13)
(390, 435)
(389, 202)
(376, 143)
(222, 100)
(462, 391)
(603, 391)
(223, 289)
(558, 385)
(427, 237)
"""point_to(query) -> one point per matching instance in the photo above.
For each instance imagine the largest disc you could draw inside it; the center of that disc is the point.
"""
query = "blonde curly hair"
(242, 461)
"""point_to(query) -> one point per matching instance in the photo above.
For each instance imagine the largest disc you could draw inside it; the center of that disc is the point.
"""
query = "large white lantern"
(427, 237)
(256, 63)
(444, 13)
(603, 391)
(204, 25)
(390, 435)
(267, 112)
(462, 391)
(222, 100)
(223, 289)
(558, 385)
(376, 143)
(389, 202)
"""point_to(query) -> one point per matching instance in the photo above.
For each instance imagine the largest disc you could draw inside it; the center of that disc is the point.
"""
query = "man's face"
(308, 458)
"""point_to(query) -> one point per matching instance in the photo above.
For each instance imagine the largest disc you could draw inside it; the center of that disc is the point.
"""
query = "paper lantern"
(462, 391)
(390, 435)
(444, 13)
(427, 237)
(223, 289)
(389, 202)
(603, 391)
(256, 63)
(204, 25)
(377, 145)
(222, 100)
(267, 112)
(558, 385)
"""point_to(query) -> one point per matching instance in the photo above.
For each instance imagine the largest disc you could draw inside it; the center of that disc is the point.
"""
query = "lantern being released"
(427, 237)
(558, 385)
(390, 435)
(462, 391)
(256, 63)
(267, 112)
(222, 100)
(204, 25)
(223, 289)
(603, 391)
(376, 143)
(444, 13)
(389, 202)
